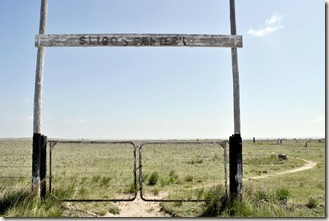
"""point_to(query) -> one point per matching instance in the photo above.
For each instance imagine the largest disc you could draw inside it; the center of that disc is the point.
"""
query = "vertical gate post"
(43, 166)
(235, 140)
(235, 157)
(35, 162)
(51, 146)
(36, 149)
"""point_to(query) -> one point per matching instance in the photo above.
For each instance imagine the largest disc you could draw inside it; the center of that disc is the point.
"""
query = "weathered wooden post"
(43, 166)
(235, 140)
(235, 144)
(37, 137)
(36, 162)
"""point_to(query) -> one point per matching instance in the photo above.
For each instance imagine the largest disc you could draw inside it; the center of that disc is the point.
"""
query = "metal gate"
(182, 171)
(174, 171)
(92, 170)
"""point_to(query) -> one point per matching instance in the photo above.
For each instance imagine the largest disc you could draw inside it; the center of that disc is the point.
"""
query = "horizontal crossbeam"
(138, 40)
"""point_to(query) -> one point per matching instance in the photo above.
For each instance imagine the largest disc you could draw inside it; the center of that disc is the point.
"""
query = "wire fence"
(15, 165)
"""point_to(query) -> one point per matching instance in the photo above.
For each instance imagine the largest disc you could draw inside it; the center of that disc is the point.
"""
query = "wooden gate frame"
(42, 40)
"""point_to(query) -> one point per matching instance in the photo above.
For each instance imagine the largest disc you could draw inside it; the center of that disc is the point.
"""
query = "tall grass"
(260, 203)
(24, 203)
(254, 204)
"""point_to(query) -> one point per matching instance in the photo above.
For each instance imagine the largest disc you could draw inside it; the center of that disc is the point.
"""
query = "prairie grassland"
(170, 171)
(303, 184)
(303, 192)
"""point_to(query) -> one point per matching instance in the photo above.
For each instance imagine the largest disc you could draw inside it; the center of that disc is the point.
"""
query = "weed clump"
(114, 210)
(173, 177)
(153, 179)
(312, 203)
(282, 195)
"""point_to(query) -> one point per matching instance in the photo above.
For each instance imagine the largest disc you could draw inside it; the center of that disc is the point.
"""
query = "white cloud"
(272, 24)
(275, 19)
(262, 32)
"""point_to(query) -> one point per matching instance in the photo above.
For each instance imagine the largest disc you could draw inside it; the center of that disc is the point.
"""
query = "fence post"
(235, 157)
(36, 149)
(36, 163)
(235, 140)
(43, 166)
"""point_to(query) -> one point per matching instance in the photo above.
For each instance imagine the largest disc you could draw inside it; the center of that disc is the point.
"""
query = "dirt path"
(140, 208)
(307, 166)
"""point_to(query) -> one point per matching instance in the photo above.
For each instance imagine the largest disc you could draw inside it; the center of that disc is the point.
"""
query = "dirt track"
(307, 166)
(140, 208)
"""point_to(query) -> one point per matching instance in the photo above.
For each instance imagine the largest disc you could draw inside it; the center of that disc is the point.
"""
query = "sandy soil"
(140, 208)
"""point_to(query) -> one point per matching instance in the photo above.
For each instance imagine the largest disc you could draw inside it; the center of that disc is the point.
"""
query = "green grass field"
(190, 171)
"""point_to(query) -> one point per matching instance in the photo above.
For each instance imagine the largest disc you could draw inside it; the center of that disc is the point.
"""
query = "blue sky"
(166, 93)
